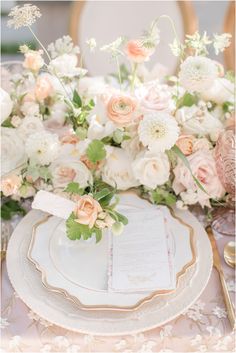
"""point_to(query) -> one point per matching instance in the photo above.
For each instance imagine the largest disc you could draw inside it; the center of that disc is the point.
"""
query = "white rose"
(117, 170)
(91, 86)
(99, 130)
(151, 169)
(29, 125)
(69, 170)
(13, 151)
(30, 108)
(196, 121)
(221, 91)
(65, 66)
(6, 104)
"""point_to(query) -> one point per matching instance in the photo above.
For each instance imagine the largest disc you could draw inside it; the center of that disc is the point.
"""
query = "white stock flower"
(12, 150)
(62, 46)
(6, 104)
(158, 131)
(23, 16)
(117, 170)
(197, 73)
(42, 147)
(221, 41)
(28, 126)
(114, 47)
(66, 170)
(91, 43)
(151, 169)
(65, 66)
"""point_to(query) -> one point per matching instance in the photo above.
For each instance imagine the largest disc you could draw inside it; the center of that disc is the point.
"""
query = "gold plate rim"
(84, 307)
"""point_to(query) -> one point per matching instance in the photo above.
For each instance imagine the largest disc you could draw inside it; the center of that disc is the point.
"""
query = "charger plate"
(54, 308)
(78, 270)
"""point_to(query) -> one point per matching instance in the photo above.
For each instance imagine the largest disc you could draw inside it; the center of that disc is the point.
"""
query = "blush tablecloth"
(202, 328)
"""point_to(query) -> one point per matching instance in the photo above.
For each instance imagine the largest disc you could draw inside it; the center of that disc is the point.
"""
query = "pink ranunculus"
(203, 167)
(65, 175)
(43, 88)
(87, 210)
(10, 185)
(185, 144)
(121, 109)
(136, 52)
(33, 60)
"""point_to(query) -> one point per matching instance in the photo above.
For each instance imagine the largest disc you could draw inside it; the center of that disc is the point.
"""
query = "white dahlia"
(197, 73)
(158, 131)
(42, 147)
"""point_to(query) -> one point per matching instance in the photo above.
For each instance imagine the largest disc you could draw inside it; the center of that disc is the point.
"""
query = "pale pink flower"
(33, 60)
(87, 210)
(154, 97)
(185, 144)
(10, 184)
(43, 88)
(137, 52)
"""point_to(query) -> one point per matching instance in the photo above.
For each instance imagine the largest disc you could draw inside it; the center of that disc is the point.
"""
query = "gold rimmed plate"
(78, 270)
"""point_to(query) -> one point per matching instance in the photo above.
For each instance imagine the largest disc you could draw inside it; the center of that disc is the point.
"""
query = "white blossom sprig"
(198, 43)
(23, 16)
(113, 48)
(62, 46)
(91, 43)
(221, 42)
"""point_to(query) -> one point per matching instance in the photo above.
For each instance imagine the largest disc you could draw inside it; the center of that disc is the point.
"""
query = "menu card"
(140, 257)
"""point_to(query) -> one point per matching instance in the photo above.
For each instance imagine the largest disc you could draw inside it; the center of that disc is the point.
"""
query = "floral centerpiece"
(87, 138)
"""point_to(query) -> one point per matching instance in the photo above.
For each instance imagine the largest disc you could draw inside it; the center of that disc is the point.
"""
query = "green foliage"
(187, 100)
(76, 230)
(165, 197)
(11, 208)
(36, 171)
(227, 106)
(77, 100)
(96, 151)
(7, 123)
(74, 188)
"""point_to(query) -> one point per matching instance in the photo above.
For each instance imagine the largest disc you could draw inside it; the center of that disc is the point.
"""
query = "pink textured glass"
(224, 221)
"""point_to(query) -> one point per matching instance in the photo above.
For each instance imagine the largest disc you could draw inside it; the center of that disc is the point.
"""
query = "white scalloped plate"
(56, 309)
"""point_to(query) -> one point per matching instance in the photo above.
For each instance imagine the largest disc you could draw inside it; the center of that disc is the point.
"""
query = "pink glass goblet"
(224, 220)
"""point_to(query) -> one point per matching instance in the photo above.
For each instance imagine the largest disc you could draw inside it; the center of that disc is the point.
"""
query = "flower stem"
(43, 47)
(118, 69)
(134, 76)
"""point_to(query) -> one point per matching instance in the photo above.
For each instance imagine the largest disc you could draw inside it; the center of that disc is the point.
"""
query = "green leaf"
(121, 218)
(96, 151)
(226, 106)
(7, 123)
(45, 174)
(74, 188)
(10, 208)
(98, 233)
(101, 194)
(77, 100)
(186, 163)
(75, 230)
(81, 132)
(187, 100)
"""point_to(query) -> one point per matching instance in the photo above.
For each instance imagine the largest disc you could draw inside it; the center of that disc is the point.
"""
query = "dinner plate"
(54, 308)
(79, 270)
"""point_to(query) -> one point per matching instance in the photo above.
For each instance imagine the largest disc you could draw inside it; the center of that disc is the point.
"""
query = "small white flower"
(197, 73)
(4, 323)
(62, 46)
(61, 342)
(23, 16)
(114, 47)
(16, 121)
(91, 43)
(6, 104)
(158, 131)
(177, 48)
(65, 66)
(221, 41)
(29, 125)
(231, 285)
(198, 42)
(219, 312)
(42, 147)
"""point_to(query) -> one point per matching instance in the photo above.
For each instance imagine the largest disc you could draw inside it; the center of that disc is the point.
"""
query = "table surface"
(202, 328)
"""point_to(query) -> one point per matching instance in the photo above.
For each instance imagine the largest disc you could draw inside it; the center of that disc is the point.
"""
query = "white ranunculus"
(197, 73)
(12, 150)
(66, 170)
(91, 86)
(42, 147)
(221, 91)
(196, 121)
(29, 125)
(117, 170)
(98, 130)
(65, 65)
(151, 169)
(6, 104)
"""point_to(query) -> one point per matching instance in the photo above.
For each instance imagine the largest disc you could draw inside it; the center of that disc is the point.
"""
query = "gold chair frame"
(229, 27)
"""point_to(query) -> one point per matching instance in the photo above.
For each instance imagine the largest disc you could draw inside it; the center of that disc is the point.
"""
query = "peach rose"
(203, 167)
(71, 139)
(87, 210)
(43, 88)
(185, 144)
(136, 52)
(10, 185)
(33, 60)
(121, 109)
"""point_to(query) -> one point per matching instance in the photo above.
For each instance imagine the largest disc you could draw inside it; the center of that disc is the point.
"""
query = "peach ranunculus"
(71, 139)
(43, 88)
(203, 167)
(10, 184)
(121, 109)
(185, 144)
(33, 60)
(136, 52)
(87, 210)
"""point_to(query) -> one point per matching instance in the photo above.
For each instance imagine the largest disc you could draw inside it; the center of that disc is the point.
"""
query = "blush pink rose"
(136, 52)
(203, 167)
(87, 210)
(65, 175)
(71, 139)
(155, 97)
(33, 60)
(185, 144)
(121, 109)
(10, 185)
(43, 88)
